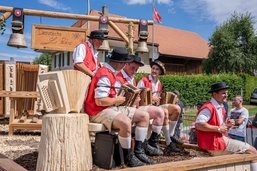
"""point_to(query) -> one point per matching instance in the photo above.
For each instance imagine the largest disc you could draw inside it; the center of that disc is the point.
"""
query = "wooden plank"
(198, 163)
(7, 164)
(19, 94)
(56, 38)
(1, 88)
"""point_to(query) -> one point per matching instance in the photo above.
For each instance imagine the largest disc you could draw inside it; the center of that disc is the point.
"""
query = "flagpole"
(153, 3)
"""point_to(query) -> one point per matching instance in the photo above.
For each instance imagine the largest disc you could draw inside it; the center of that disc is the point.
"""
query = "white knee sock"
(172, 127)
(253, 166)
(125, 142)
(156, 129)
(166, 133)
(140, 133)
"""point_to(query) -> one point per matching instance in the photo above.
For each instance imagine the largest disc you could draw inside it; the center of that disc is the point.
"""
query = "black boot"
(130, 159)
(140, 153)
(176, 140)
(153, 141)
(171, 148)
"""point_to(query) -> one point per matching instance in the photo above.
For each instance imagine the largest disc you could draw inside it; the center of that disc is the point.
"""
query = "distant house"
(181, 51)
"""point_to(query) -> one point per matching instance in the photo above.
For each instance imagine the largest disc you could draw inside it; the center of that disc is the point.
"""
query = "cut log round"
(65, 143)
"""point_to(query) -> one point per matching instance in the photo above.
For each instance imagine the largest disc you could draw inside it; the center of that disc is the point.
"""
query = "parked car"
(253, 98)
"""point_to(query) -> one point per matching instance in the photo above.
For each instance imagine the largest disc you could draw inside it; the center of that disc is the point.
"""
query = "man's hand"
(156, 100)
(223, 129)
(119, 100)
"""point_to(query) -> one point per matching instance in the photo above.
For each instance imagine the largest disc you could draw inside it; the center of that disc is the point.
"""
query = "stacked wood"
(65, 143)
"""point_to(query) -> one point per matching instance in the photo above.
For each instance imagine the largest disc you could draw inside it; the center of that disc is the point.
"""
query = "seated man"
(212, 127)
(171, 111)
(126, 76)
(102, 106)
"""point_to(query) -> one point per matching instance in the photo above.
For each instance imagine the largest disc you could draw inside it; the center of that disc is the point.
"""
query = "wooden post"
(65, 143)
(131, 37)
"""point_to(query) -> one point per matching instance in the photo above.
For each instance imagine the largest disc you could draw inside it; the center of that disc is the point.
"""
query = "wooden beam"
(19, 94)
(119, 31)
(7, 164)
(198, 163)
(71, 16)
(5, 16)
(131, 37)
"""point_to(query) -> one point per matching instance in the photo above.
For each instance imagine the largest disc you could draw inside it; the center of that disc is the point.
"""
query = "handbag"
(107, 152)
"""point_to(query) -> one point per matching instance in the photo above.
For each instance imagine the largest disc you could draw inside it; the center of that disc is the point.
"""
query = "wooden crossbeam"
(199, 163)
(19, 94)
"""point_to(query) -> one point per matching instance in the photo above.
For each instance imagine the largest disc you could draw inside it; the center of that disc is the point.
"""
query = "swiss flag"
(156, 16)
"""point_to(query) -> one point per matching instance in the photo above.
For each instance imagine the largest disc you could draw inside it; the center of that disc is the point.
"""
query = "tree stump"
(65, 143)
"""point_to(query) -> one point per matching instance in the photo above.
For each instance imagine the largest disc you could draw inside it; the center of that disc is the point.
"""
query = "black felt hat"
(137, 59)
(97, 34)
(218, 86)
(120, 54)
(160, 65)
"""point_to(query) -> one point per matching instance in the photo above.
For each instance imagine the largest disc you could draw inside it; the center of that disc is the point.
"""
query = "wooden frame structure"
(14, 122)
(129, 39)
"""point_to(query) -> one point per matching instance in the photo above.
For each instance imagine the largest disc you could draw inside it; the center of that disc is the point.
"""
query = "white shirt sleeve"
(79, 53)
(102, 89)
(203, 116)
(141, 84)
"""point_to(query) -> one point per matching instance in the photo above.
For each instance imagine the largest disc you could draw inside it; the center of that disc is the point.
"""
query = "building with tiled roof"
(181, 51)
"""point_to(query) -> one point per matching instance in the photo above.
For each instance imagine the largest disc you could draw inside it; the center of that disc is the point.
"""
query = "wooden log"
(65, 143)
(7, 164)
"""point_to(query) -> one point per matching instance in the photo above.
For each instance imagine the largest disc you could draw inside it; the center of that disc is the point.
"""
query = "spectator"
(240, 116)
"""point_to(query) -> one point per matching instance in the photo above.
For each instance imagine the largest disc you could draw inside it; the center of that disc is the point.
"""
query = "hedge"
(194, 88)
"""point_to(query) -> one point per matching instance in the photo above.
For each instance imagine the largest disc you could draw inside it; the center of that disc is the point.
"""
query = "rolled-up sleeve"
(203, 116)
(79, 54)
(103, 88)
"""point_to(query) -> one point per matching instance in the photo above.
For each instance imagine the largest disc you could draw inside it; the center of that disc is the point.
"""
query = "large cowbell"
(142, 47)
(105, 46)
(17, 38)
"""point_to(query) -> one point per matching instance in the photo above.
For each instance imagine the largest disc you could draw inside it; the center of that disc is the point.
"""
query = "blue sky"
(200, 16)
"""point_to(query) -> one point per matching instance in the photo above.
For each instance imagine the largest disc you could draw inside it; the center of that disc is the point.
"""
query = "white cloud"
(55, 4)
(219, 11)
(132, 2)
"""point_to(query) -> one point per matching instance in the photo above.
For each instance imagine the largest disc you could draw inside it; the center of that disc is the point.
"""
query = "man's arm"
(109, 101)
(82, 67)
(102, 94)
(204, 126)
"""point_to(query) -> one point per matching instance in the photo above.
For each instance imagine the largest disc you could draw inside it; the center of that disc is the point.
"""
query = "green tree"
(44, 59)
(233, 46)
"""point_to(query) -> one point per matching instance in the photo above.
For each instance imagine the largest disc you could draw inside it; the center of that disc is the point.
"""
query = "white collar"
(150, 77)
(109, 67)
(216, 104)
